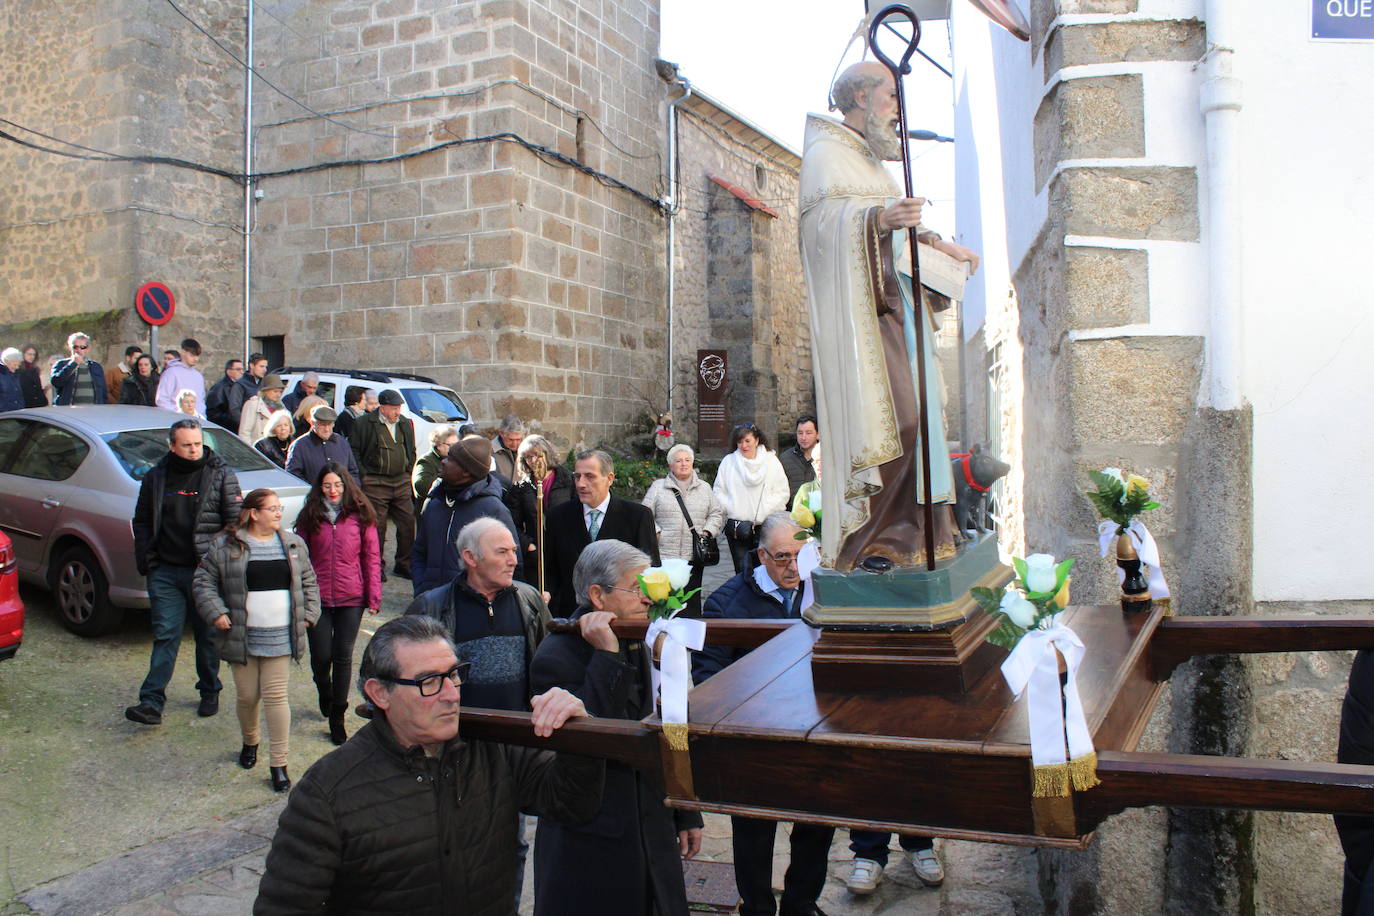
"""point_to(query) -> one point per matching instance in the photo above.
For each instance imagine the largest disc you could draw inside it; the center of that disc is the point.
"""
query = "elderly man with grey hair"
(11, 393)
(626, 860)
(305, 387)
(596, 515)
(505, 447)
(78, 379)
(495, 622)
(406, 817)
(773, 589)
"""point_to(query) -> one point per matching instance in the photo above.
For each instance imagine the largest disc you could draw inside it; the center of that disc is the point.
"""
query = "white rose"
(1016, 607)
(679, 571)
(813, 500)
(1040, 575)
(1115, 472)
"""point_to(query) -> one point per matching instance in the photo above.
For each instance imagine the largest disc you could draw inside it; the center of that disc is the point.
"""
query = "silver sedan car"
(69, 479)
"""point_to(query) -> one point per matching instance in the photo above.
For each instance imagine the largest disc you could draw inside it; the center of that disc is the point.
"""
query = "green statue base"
(907, 599)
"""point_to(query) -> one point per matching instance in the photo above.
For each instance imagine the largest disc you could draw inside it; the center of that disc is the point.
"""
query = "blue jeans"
(871, 844)
(169, 593)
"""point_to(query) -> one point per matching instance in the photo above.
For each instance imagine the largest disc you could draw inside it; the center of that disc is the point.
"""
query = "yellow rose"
(1136, 484)
(1061, 599)
(655, 584)
(803, 516)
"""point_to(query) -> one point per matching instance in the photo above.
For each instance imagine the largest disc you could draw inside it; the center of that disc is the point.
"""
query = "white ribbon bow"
(1032, 664)
(1145, 548)
(673, 674)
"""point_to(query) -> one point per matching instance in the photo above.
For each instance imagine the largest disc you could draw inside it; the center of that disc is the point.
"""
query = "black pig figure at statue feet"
(974, 473)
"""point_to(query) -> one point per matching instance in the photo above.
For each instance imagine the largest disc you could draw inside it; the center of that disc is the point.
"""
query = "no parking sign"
(155, 303)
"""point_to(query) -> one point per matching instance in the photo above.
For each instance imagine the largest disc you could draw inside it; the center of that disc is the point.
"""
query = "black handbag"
(705, 548)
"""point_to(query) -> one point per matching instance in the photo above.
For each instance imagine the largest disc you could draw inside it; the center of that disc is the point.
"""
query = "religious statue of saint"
(863, 339)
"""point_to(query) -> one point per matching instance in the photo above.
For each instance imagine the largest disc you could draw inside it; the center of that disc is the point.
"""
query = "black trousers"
(752, 841)
(331, 652)
(742, 549)
(1357, 746)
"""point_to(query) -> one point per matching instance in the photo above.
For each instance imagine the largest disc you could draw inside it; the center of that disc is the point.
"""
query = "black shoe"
(363, 711)
(209, 704)
(337, 733)
(399, 572)
(248, 757)
(143, 714)
(326, 703)
(280, 781)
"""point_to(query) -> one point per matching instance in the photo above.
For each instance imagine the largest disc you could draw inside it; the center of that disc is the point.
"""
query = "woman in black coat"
(557, 483)
(140, 388)
(31, 379)
(281, 432)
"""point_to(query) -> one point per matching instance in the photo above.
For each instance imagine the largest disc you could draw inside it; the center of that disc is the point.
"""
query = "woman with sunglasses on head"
(340, 530)
(256, 587)
(750, 486)
(140, 388)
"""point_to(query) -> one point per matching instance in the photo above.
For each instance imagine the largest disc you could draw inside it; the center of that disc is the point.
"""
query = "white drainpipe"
(670, 204)
(1220, 99)
(248, 186)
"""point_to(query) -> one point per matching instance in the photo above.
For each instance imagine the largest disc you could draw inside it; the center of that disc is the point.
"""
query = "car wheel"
(82, 593)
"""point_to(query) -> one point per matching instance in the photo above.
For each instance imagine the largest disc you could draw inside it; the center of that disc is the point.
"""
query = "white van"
(427, 403)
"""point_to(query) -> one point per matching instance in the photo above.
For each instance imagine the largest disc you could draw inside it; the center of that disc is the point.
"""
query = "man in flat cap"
(384, 446)
(466, 490)
(308, 454)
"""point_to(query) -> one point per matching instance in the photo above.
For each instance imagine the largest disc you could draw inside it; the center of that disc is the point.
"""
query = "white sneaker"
(928, 867)
(864, 877)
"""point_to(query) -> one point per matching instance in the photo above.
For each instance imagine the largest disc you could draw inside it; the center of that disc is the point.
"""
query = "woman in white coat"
(750, 486)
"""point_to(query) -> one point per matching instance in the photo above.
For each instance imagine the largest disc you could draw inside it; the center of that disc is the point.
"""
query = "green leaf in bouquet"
(1061, 575)
(1020, 566)
(1007, 635)
(989, 599)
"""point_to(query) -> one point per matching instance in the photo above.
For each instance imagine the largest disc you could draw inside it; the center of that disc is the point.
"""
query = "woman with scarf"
(256, 587)
(340, 529)
(536, 466)
(140, 388)
(750, 486)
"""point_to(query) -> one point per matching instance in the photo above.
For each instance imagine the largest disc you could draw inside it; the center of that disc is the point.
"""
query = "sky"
(772, 61)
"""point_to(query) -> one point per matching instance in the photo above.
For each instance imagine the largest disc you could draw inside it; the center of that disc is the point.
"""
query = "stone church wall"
(77, 237)
(528, 286)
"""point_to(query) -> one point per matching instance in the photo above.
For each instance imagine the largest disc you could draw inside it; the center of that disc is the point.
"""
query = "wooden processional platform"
(952, 761)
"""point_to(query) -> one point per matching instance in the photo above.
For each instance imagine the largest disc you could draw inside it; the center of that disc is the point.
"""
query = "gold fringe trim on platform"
(676, 734)
(1055, 780)
(1167, 604)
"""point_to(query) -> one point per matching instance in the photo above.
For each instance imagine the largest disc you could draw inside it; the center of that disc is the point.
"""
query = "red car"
(11, 608)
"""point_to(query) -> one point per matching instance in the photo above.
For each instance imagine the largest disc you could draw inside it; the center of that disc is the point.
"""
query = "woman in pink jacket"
(340, 528)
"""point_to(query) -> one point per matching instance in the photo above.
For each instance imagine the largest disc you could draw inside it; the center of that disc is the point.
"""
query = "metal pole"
(248, 182)
(898, 70)
(670, 206)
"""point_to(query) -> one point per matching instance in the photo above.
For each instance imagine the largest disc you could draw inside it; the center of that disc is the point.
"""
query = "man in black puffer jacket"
(409, 818)
(185, 500)
(466, 491)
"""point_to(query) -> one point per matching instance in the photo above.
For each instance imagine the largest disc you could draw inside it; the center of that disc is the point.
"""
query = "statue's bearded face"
(880, 120)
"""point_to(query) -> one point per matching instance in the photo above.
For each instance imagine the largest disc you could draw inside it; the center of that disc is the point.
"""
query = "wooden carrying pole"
(898, 70)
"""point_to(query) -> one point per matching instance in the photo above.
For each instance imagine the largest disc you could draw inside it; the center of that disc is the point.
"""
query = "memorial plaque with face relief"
(712, 371)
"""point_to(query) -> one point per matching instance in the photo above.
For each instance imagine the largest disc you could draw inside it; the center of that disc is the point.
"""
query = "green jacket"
(425, 473)
(367, 445)
(220, 587)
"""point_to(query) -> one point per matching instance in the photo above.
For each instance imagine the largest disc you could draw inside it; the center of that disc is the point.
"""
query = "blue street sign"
(1343, 20)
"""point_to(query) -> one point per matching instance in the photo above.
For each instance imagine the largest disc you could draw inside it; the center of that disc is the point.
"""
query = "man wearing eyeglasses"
(406, 817)
(78, 379)
(773, 589)
(627, 860)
